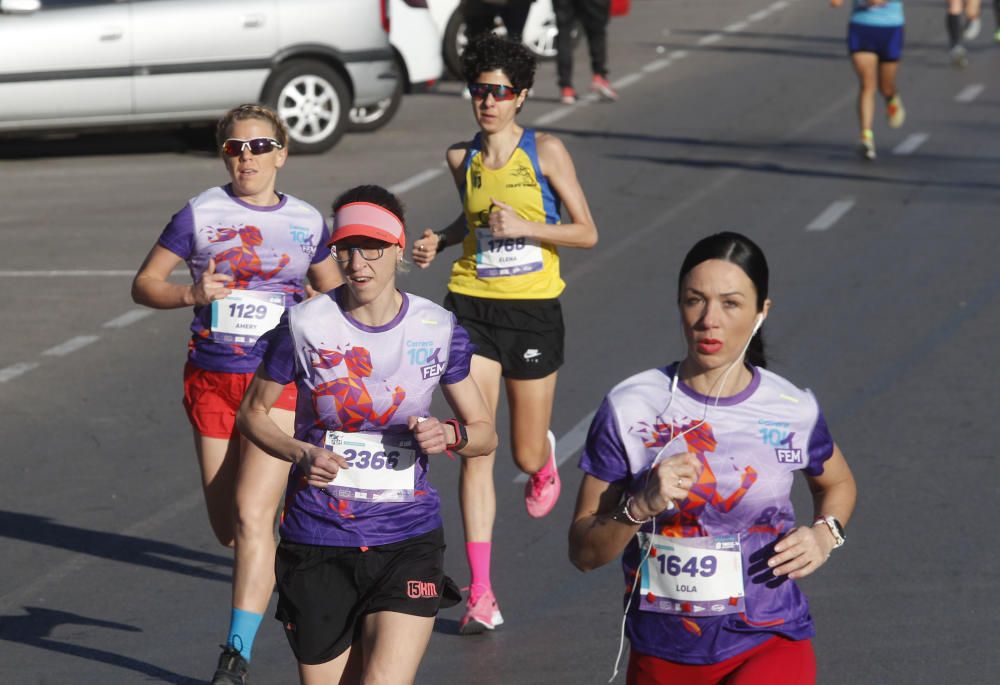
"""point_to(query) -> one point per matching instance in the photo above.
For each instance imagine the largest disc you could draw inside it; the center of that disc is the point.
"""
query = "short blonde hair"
(251, 111)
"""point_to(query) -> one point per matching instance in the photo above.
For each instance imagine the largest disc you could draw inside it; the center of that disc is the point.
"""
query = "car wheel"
(372, 117)
(542, 42)
(455, 41)
(313, 101)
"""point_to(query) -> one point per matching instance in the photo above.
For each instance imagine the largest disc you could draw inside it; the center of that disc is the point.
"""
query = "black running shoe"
(232, 668)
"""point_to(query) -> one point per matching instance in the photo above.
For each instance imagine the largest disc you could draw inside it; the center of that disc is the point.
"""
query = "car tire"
(373, 117)
(454, 43)
(543, 47)
(313, 100)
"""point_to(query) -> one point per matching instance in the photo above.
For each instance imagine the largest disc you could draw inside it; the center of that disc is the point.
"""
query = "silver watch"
(835, 527)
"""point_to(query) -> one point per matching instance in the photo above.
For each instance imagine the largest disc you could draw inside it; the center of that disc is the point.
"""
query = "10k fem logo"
(428, 360)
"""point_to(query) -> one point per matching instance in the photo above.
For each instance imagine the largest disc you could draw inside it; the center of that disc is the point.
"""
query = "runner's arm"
(802, 550)
(596, 536)
(557, 166)
(324, 276)
(470, 409)
(150, 286)
(253, 421)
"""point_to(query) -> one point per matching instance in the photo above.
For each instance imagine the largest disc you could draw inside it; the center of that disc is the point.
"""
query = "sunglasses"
(500, 93)
(234, 147)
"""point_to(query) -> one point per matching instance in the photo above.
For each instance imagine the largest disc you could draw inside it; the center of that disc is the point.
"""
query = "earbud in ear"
(757, 324)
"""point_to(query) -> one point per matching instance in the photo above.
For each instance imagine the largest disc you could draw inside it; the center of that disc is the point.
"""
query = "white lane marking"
(970, 92)
(72, 272)
(656, 65)
(911, 143)
(14, 370)
(554, 116)
(757, 16)
(735, 27)
(128, 318)
(831, 215)
(709, 39)
(626, 81)
(567, 445)
(416, 180)
(778, 6)
(70, 346)
(678, 54)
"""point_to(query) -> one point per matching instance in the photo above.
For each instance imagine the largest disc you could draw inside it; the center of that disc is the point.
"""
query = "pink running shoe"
(567, 95)
(542, 490)
(481, 613)
(600, 85)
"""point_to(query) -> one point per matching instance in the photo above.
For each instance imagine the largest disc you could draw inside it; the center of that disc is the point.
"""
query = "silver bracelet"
(628, 514)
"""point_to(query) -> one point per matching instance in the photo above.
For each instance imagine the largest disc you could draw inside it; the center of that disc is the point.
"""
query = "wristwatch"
(442, 241)
(835, 527)
(461, 436)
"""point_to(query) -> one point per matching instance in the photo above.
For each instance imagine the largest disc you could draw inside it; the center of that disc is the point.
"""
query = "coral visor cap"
(368, 220)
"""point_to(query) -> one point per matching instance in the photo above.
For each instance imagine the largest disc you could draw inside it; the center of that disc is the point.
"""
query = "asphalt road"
(733, 115)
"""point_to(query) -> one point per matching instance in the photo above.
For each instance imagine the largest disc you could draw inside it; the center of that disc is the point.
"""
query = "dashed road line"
(910, 144)
(709, 39)
(71, 345)
(831, 215)
(735, 27)
(656, 65)
(970, 92)
(626, 81)
(416, 180)
(128, 318)
(14, 370)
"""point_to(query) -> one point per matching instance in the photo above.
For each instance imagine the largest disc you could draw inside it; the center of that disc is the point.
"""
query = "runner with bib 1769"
(505, 287)
(360, 564)
(688, 471)
(249, 249)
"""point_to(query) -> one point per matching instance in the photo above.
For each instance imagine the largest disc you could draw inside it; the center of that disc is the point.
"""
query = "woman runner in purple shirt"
(689, 469)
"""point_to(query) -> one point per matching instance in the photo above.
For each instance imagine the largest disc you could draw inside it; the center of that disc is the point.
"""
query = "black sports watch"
(461, 436)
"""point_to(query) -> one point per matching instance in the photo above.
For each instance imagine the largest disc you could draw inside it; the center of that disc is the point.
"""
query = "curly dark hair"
(488, 52)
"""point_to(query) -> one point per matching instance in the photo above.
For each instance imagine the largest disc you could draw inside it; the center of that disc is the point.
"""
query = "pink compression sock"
(478, 554)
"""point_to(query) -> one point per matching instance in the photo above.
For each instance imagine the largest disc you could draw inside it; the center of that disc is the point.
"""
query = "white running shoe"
(972, 28)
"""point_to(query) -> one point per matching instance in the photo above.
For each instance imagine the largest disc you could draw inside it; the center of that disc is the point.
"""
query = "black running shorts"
(525, 336)
(325, 592)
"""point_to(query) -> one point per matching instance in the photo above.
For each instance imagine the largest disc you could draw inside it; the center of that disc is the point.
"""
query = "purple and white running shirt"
(749, 446)
(359, 379)
(264, 249)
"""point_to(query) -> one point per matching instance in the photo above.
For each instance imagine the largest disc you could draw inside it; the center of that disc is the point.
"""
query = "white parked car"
(75, 64)
(416, 47)
(539, 30)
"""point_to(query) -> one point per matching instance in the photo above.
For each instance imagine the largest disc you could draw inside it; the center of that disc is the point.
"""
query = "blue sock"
(242, 630)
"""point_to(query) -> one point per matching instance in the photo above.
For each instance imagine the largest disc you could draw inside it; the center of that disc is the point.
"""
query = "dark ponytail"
(739, 250)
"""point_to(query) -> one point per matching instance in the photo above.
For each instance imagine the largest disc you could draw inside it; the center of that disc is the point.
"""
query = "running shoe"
(481, 613)
(600, 85)
(542, 490)
(232, 669)
(567, 95)
(959, 57)
(972, 28)
(895, 112)
(866, 146)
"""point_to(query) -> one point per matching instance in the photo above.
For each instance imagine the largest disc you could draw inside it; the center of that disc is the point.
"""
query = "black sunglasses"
(234, 147)
(499, 92)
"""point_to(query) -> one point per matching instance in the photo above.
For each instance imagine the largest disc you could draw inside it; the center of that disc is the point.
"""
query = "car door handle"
(252, 21)
(111, 33)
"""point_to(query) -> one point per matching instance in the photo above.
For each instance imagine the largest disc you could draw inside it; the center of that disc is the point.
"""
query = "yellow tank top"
(507, 269)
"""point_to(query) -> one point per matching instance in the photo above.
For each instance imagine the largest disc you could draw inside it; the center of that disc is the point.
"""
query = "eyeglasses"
(344, 253)
(500, 93)
(234, 147)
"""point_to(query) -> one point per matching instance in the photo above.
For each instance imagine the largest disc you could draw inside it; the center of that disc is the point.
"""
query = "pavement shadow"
(128, 549)
(34, 629)
(196, 141)
(446, 626)
(743, 49)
